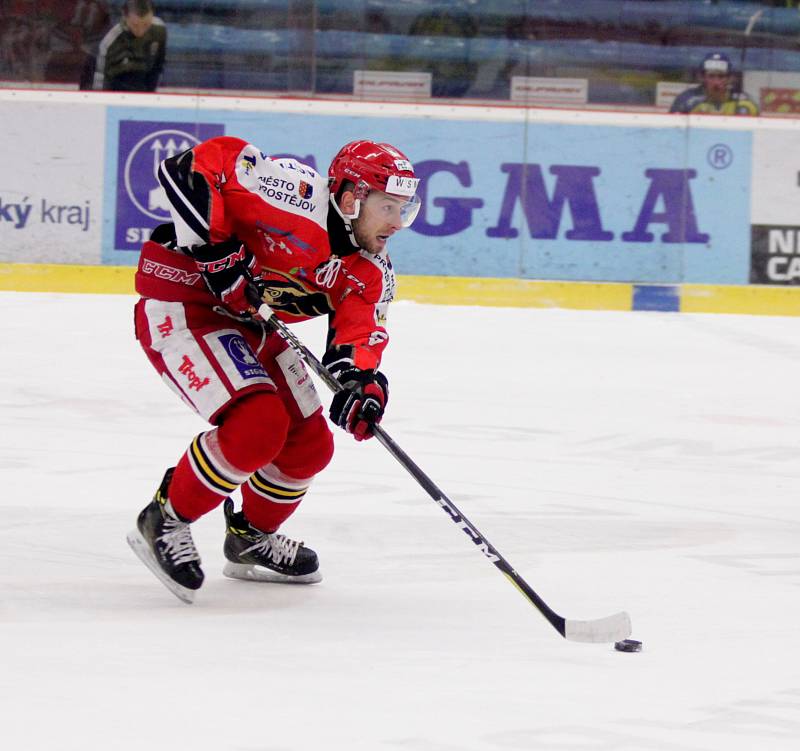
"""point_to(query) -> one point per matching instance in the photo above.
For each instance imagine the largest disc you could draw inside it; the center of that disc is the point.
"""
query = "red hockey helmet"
(376, 166)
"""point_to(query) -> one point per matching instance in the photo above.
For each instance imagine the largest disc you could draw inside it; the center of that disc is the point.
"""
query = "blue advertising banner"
(134, 150)
(500, 199)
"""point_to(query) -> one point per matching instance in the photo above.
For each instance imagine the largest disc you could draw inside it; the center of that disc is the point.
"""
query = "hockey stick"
(748, 30)
(613, 628)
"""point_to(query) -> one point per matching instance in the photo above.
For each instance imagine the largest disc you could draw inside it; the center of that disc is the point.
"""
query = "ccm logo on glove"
(228, 262)
(359, 406)
(227, 268)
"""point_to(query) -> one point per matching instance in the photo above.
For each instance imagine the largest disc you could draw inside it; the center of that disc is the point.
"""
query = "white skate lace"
(277, 547)
(178, 543)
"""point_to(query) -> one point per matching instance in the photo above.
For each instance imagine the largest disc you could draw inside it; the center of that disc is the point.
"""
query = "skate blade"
(248, 572)
(145, 555)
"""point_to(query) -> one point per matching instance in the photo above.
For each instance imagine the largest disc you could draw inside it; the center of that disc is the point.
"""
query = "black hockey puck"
(628, 645)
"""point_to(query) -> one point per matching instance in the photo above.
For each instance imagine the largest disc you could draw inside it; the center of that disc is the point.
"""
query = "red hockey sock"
(203, 478)
(251, 433)
(270, 497)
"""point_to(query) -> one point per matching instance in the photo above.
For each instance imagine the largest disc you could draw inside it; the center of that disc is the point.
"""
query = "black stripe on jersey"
(207, 470)
(188, 192)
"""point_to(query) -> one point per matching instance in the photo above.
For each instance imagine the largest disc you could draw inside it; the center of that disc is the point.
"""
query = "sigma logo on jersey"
(403, 165)
(402, 186)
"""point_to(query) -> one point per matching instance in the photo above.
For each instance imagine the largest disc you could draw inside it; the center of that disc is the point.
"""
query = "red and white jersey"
(278, 208)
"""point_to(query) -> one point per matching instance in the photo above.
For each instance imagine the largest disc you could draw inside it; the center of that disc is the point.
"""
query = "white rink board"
(618, 460)
(776, 177)
(51, 189)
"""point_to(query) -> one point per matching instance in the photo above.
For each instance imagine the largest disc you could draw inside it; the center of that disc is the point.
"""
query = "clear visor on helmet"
(400, 210)
(404, 190)
(409, 209)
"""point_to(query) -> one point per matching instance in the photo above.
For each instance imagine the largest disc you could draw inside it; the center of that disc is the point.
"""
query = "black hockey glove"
(227, 269)
(359, 406)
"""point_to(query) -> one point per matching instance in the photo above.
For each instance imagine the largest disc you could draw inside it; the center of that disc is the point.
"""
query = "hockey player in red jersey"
(308, 246)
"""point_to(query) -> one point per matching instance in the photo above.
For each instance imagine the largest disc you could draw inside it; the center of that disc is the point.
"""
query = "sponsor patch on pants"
(299, 382)
(237, 359)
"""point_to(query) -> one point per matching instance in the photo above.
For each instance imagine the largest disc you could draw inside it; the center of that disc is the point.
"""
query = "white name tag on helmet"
(716, 66)
(402, 186)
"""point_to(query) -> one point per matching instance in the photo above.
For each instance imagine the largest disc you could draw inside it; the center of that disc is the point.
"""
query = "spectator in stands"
(719, 92)
(131, 55)
(24, 42)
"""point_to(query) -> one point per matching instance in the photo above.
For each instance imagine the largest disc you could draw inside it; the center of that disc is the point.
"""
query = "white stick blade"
(602, 631)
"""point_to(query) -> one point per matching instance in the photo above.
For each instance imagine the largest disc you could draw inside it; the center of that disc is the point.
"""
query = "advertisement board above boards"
(508, 192)
(564, 198)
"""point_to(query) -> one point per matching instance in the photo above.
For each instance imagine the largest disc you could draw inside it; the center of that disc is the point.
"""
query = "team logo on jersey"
(305, 190)
(141, 204)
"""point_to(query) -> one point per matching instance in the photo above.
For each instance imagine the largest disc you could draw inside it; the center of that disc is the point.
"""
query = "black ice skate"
(164, 543)
(259, 556)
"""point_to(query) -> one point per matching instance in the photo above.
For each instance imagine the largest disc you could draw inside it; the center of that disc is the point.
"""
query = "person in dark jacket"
(131, 55)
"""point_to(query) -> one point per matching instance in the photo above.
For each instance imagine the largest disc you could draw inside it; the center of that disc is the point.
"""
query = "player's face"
(378, 219)
(716, 84)
(139, 24)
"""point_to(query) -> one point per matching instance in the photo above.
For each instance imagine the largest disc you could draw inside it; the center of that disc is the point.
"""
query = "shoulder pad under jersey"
(284, 183)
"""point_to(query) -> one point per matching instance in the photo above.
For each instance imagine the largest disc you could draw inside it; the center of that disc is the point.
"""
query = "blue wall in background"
(501, 199)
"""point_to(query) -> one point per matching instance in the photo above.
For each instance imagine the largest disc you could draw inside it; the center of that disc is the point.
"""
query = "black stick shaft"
(469, 528)
(424, 481)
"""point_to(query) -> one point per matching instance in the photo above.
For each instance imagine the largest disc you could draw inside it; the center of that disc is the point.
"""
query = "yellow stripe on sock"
(273, 490)
(208, 470)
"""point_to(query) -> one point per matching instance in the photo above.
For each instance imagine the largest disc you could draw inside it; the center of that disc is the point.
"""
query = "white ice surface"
(637, 461)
